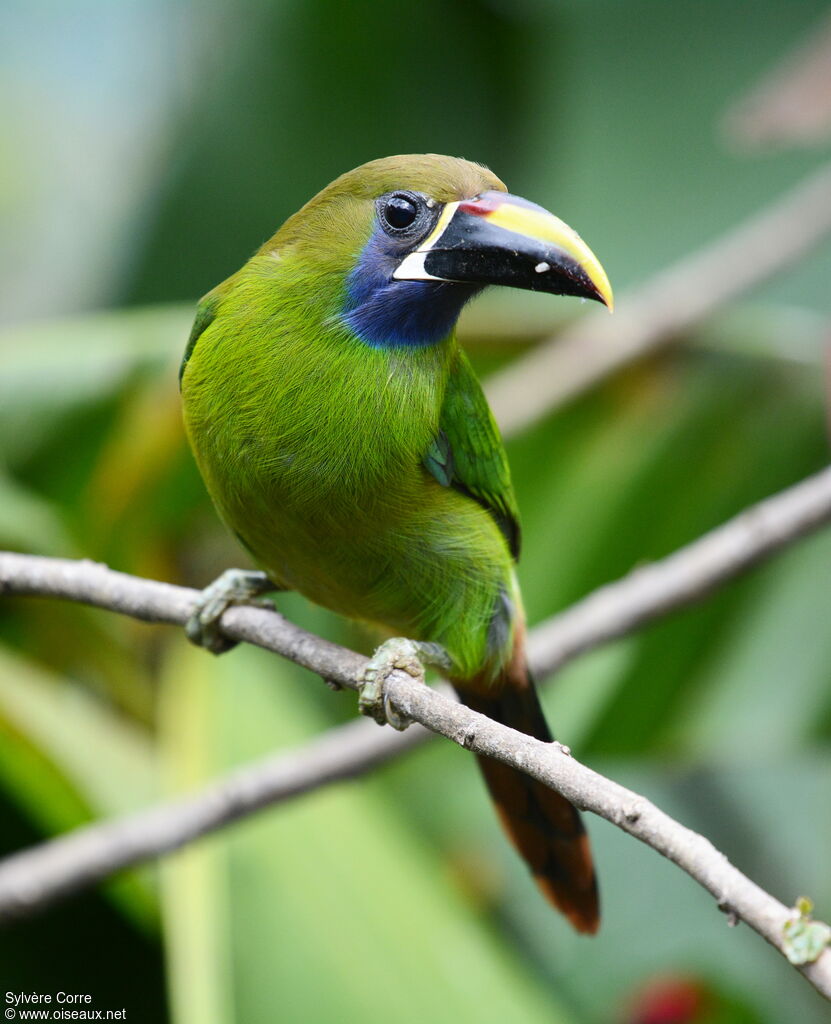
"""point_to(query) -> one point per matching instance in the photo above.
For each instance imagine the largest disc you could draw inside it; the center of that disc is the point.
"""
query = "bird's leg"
(234, 586)
(412, 657)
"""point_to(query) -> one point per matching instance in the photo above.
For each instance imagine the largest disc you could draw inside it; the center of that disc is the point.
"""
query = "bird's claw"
(409, 656)
(234, 586)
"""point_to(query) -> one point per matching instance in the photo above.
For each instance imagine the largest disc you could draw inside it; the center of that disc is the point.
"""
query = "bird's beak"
(497, 238)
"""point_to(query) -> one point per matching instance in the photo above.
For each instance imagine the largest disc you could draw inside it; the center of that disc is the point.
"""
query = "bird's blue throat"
(387, 313)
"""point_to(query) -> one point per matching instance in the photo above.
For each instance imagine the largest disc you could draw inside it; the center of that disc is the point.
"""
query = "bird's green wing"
(205, 315)
(468, 454)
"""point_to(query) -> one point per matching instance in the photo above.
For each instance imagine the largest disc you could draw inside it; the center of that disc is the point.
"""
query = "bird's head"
(412, 238)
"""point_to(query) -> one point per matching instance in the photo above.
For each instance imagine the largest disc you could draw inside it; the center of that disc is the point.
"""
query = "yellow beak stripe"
(539, 224)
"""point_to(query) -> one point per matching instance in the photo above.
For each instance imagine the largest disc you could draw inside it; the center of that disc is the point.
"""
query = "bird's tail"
(543, 826)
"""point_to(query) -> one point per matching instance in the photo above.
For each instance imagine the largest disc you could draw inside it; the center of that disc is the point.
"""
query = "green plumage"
(472, 455)
(363, 468)
(316, 447)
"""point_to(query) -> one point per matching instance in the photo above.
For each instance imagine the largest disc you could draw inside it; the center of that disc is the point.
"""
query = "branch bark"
(644, 595)
(790, 105)
(687, 576)
(33, 879)
(658, 311)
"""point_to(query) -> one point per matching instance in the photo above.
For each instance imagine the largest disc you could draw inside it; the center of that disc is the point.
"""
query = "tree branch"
(33, 879)
(687, 576)
(656, 312)
(646, 594)
(790, 105)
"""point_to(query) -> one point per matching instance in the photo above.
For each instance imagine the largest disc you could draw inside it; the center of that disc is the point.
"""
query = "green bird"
(346, 441)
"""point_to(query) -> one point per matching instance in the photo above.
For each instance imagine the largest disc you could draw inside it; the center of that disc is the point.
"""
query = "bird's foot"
(234, 586)
(410, 656)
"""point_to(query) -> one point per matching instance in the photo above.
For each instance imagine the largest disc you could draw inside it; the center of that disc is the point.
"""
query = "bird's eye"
(400, 212)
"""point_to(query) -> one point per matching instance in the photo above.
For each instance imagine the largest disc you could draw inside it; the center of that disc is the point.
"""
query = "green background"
(148, 148)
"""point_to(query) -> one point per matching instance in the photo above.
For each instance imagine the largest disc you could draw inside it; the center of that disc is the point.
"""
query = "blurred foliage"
(178, 137)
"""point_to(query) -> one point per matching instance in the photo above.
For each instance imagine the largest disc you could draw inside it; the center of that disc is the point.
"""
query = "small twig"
(684, 577)
(791, 104)
(34, 879)
(661, 309)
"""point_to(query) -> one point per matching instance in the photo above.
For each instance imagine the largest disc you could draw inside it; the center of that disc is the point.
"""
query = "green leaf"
(767, 684)
(48, 370)
(805, 939)
(29, 522)
(68, 759)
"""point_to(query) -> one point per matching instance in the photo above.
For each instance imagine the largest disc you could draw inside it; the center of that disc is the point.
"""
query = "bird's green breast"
(310, 413)
(312, 446)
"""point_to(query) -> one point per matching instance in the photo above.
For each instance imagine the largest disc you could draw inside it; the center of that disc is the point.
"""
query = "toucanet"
(346, 441)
